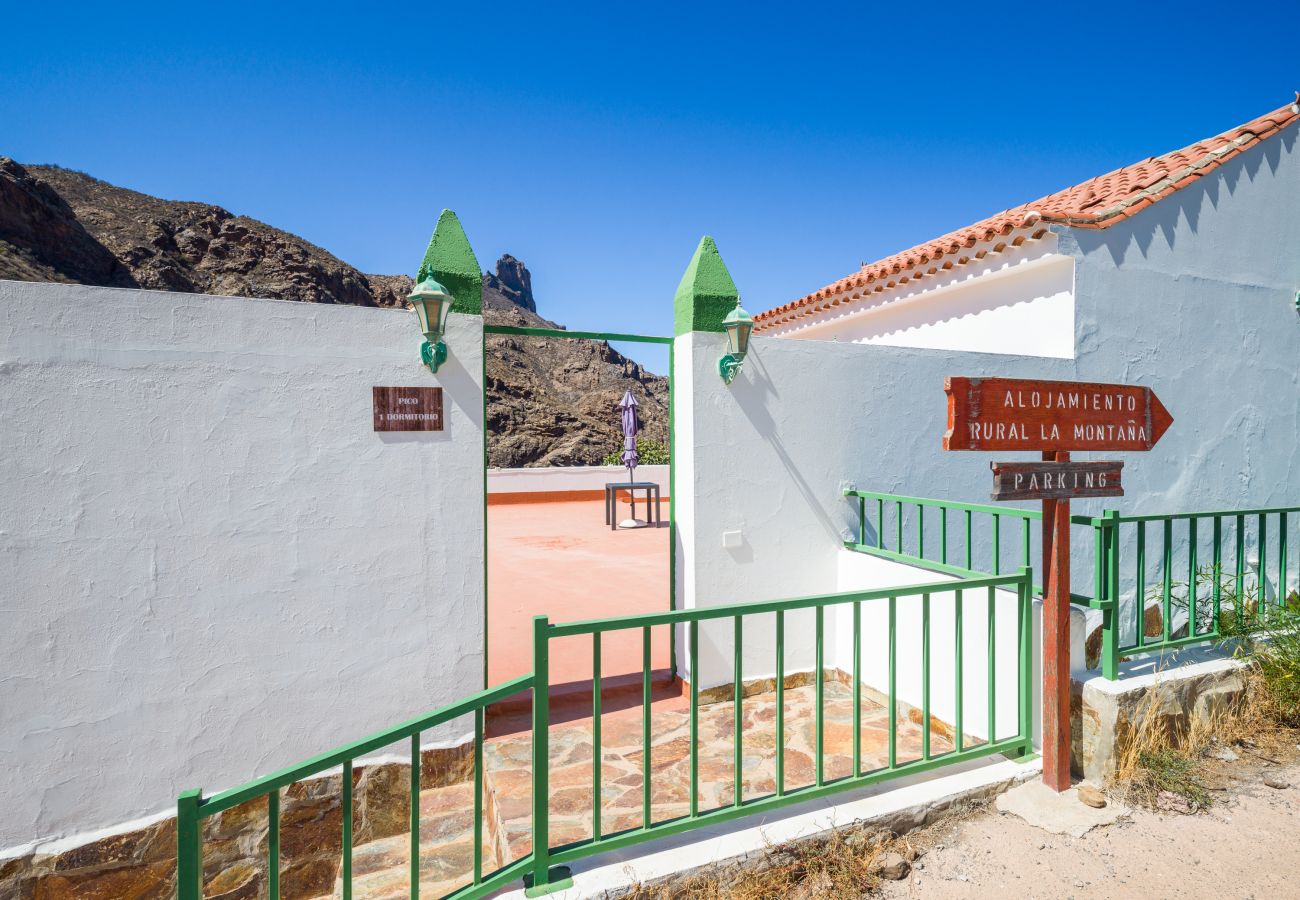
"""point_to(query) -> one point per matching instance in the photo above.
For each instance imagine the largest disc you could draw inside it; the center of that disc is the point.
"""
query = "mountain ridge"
(551, 401)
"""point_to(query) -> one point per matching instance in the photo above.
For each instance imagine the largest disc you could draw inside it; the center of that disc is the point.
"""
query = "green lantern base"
(729, 367)
(433, 355)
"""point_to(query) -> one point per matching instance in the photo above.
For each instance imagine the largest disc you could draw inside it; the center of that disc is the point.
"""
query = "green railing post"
(345, 864)
(189, 851)
(273, 846)
(544, 880)
(1110, 582)
(1026, 660)
(414, 812)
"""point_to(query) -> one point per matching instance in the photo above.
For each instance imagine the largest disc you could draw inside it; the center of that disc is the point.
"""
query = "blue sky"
(598, 142)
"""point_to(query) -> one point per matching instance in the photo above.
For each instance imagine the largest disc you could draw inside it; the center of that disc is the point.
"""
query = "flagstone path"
(380, 867)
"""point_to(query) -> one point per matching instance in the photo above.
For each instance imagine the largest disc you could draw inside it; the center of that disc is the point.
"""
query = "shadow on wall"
(1191, 202)
(753, 403)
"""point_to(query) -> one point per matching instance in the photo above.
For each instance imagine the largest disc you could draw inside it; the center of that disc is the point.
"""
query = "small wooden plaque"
(408, 408)
(1056, 480)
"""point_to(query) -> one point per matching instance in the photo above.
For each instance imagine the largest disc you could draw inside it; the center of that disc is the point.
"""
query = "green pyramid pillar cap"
(706, 293)
(451, 261)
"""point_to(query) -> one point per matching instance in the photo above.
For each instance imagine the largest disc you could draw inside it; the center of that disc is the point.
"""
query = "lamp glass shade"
(432, 306)
(739, 325)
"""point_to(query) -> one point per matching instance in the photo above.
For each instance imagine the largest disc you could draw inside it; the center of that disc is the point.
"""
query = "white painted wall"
(570, 478)
(859, 571)
(212, 566)
(770, 455)
(1019, 302)
(1195, 296)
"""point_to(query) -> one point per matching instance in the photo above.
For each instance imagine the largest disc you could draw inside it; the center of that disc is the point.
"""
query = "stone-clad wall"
(141, 864)
(1105, 715)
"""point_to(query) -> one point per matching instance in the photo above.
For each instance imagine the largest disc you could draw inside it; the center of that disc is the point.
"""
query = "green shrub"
(651, 453)
(1276, 650)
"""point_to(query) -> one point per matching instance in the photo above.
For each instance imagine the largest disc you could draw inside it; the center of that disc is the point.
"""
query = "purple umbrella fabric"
(631, 425)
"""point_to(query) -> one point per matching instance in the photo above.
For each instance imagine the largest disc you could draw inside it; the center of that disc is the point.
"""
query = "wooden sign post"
(1055, 418)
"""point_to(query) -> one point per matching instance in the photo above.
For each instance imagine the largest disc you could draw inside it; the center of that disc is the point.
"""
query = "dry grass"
(838, 866)
(841, 864)
(1160, 757)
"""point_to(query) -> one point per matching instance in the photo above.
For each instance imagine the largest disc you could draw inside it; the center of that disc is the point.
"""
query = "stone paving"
(446, 861)
(510, 772)
(380, 868)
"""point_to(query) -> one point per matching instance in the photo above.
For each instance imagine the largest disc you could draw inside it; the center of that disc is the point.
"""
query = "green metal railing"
(192, 807)
(782, 794)
(1195, 567)
(953, 520)
(543, 869)
(952, 550)
(1191, 546)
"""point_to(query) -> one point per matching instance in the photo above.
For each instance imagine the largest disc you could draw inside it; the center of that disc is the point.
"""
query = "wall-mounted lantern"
(432, 305)
(738, 324)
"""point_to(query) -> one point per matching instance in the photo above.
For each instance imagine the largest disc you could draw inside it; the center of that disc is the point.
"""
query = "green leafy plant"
(1170, 769)
(650, 453)
(1273, 643)
(1238, 603)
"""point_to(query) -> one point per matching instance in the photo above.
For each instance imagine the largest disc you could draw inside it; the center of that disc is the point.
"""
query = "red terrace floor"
(561, 560)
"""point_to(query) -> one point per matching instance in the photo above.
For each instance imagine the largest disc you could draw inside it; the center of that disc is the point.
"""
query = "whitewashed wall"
(1196, 296)
(770, 455)
(212, 566)
(858, 571)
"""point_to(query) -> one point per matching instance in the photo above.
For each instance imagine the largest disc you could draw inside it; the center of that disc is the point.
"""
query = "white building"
(1011, 283)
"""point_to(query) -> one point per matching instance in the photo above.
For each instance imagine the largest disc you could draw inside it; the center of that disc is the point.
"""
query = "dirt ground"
(1244, 846)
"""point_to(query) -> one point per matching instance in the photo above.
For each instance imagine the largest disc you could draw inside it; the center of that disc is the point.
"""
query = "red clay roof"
(1097, 203)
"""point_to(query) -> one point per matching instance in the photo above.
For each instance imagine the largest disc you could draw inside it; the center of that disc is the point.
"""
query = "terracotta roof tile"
(1097, 203)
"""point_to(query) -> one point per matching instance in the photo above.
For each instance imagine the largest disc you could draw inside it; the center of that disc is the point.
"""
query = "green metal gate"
(544, 867)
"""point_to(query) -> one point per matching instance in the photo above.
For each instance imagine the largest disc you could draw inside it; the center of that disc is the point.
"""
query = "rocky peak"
(513, 281)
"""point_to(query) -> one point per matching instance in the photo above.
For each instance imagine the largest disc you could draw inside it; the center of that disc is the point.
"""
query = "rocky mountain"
(554, 401)
(551, 401)
(162, 244)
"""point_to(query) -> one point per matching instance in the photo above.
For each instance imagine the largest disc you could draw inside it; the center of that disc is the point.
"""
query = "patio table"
(611, 500)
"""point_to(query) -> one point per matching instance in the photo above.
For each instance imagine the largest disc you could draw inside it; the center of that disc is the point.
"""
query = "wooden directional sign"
(1024, 414)
(1055, 417)
(1056, 480)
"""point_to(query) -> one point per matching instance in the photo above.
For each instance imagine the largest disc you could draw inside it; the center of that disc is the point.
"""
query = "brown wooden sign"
(1055, 417)
(1056, 480)
(408, 408)
(1024, 414)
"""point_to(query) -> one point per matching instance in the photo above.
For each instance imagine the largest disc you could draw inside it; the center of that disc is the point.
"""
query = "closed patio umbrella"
(631, 425)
